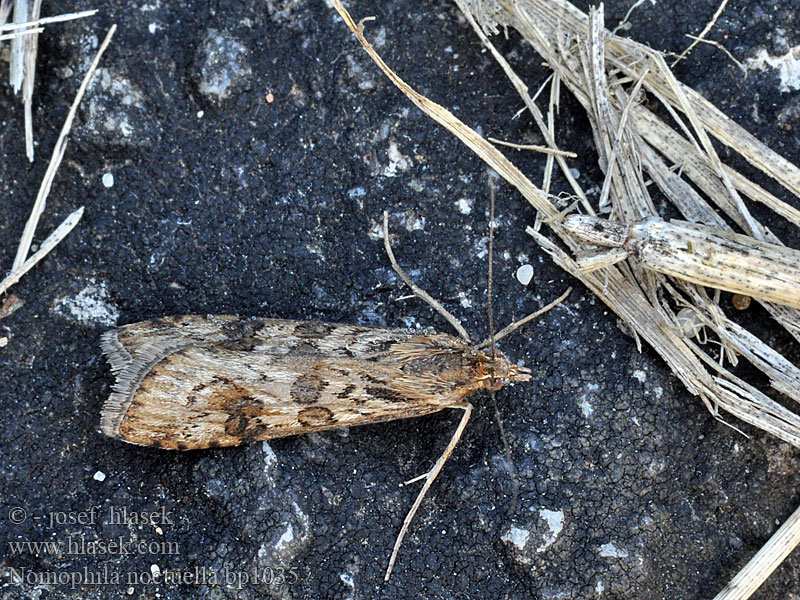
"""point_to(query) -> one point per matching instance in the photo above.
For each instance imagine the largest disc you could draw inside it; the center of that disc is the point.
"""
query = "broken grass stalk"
(696, 253)
(58, 234)
(55, 162)
(49, 20)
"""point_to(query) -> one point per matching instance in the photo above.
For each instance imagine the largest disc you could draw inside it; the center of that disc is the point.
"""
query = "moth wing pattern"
(197, 382)
(122, 344)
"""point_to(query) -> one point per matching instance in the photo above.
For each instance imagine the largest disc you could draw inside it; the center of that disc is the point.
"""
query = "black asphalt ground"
(253, 147)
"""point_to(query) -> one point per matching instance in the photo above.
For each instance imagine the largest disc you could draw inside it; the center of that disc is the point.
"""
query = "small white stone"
(525, 274)
(609, 550)
(99, 476)
(108, 180)
(200, 114)
(555, 522)
(464, 206)
(517, 536)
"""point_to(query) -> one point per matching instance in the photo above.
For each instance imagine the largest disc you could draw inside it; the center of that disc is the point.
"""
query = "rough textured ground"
(225, 202)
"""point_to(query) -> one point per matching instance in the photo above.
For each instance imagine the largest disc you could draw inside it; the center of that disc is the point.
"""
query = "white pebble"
(200, 114)
(99, 476)
(525, 274)
(464, 206)
(108, 180)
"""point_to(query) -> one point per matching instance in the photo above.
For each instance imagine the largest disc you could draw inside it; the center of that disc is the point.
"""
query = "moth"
(191, 382)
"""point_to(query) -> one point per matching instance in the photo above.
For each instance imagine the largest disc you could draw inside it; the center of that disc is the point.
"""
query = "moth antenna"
(418, 291)
(489, 306)
(429, 477)
(490, 313)
(517, 324)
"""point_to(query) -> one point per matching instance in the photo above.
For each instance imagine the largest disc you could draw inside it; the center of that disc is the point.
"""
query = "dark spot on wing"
(308, 388)
(243, 328)
(304, 348)
(372, 379)
(314, 416)
(382, 393)
(382, 346)
(244, 344)
(313, 329)
(236, 425)
(256, 431)
(345, 393)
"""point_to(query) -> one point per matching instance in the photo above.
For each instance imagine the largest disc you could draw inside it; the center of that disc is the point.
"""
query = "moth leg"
(418, 291)
(429, 477)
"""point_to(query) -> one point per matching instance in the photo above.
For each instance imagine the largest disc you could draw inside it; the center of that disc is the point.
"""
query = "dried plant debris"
(23, 33)
(25, 261)
(609, 75)
(699, 254)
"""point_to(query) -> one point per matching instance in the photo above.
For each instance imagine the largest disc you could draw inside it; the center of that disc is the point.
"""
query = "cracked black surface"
(266, 208)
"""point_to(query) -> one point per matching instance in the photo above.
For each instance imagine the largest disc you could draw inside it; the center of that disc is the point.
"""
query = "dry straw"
(24, 38)
(609, 76)
(23, 56)
(635, 145)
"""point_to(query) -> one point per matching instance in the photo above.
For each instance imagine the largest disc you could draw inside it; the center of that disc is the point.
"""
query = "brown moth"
(191, 382)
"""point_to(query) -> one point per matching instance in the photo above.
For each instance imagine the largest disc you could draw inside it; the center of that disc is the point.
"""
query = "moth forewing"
(196, 382)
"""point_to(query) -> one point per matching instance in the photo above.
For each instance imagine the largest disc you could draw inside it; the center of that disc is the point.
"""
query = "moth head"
(500, 371)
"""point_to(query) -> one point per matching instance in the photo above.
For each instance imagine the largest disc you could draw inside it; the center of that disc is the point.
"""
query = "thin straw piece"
(535, 147)
(59, 233)
(17, 34)
(55, 161)
(49, 20)
(702, 35)
(16, 65)
(766, 560)
(31, 47)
